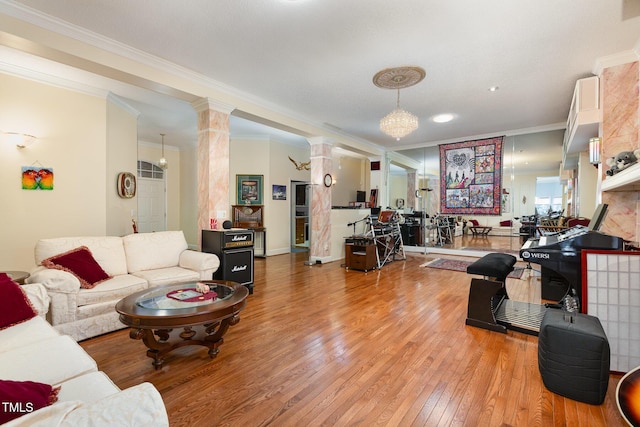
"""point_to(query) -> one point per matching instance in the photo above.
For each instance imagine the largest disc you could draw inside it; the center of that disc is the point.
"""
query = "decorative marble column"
(213, 162)
(321, 164)
(621, 132)
(412, 186)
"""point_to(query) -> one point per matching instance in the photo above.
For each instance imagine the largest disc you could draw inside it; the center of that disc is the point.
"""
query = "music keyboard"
(559, 255)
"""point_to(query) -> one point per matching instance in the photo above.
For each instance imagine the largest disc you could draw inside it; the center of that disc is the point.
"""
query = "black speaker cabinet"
(234, 247)
(236, 265)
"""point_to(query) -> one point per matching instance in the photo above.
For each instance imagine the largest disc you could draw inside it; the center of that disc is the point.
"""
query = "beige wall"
(189, 196)
(397, 189)
(271, 160)
(122, 132)
(349, 174)
(71, 131)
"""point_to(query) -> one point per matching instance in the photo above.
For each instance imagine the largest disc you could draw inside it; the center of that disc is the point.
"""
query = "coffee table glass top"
(183, 296)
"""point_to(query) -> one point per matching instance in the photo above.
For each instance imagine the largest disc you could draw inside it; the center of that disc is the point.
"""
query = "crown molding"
(116, 100)
(40, 77)
(204, 104)
(513, 132)
(620, 58)
(35, 17)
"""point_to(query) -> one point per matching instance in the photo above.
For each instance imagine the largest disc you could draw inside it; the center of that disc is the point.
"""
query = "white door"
(152, 199)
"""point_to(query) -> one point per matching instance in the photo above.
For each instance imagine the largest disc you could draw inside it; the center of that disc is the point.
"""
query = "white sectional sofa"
(135, 262)
(34, 351)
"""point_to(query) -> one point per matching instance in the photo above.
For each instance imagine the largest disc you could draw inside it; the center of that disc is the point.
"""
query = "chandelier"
(398, 123)
(162, 163)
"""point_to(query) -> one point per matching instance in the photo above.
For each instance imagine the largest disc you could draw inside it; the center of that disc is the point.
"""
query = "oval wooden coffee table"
(154, 313)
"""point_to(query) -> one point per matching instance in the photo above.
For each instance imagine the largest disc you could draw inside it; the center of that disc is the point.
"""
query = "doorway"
(152, 198)
(300, 216)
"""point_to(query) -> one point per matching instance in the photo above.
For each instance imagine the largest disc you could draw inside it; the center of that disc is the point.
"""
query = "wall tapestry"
(471, 177)
(37, 178)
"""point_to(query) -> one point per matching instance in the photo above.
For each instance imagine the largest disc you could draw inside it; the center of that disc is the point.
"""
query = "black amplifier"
(214, 241)
(237, 239)
(234, 248)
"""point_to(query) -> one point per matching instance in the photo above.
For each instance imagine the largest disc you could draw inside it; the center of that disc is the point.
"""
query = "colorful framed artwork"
(37, 178)
(249, 189)
(279, 192)
(471, 177)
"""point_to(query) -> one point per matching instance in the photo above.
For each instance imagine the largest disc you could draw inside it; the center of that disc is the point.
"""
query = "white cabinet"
(583, 122)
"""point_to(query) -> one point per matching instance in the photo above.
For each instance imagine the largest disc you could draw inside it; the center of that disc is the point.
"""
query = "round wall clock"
(126, 185)
(328, 180)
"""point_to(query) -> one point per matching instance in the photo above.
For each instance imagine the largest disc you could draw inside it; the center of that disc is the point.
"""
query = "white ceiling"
(315, 59)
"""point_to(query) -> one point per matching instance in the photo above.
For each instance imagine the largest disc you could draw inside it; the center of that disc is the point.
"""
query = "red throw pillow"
(19, 398)
(80, 263)
(474, 222)
(505, 223)
(15, 306)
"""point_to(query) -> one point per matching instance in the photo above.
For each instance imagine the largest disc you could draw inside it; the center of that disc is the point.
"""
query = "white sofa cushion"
(50, 361)
(115, 288)
(32, 331)
(88, 388)
(140, 405)
(150, 251)
(166, 276)
(107, 251)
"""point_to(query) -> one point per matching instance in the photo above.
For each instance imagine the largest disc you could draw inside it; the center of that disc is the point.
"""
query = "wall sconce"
(594, 150)
(21, 140)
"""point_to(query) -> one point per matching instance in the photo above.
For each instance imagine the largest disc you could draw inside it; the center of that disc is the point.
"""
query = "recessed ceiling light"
(493, 88)
(443, 118)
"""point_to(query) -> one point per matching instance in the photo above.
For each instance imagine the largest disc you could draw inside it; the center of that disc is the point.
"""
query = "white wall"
(587, 186)
(151, 152)
(71, 131)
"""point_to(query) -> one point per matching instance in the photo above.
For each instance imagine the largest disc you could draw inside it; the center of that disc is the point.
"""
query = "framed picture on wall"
(279, 192)
(249, 189)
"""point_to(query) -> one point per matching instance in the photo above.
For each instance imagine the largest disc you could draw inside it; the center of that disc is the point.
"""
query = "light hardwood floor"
(323, 346)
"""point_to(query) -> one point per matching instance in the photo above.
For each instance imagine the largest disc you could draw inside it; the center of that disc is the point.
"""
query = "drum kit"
(384, 232)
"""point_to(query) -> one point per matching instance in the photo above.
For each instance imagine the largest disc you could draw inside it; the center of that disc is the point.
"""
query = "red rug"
(456, 265)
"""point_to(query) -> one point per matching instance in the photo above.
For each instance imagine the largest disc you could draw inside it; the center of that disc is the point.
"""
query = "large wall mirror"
(528, 159)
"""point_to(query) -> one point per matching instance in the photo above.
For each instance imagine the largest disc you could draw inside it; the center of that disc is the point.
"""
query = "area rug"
(457, 265)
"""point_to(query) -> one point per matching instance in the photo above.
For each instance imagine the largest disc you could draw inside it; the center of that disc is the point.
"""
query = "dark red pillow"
(505, 223)
(80, 263)
(23, 397)
(474, 222)
(15, 306)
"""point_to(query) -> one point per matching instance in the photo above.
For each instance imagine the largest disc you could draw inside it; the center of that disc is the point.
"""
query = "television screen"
(361, 196)
(598, 217)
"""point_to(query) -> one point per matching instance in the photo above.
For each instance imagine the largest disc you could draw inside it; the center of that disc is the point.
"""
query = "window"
(149, 170)
(548, 195)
